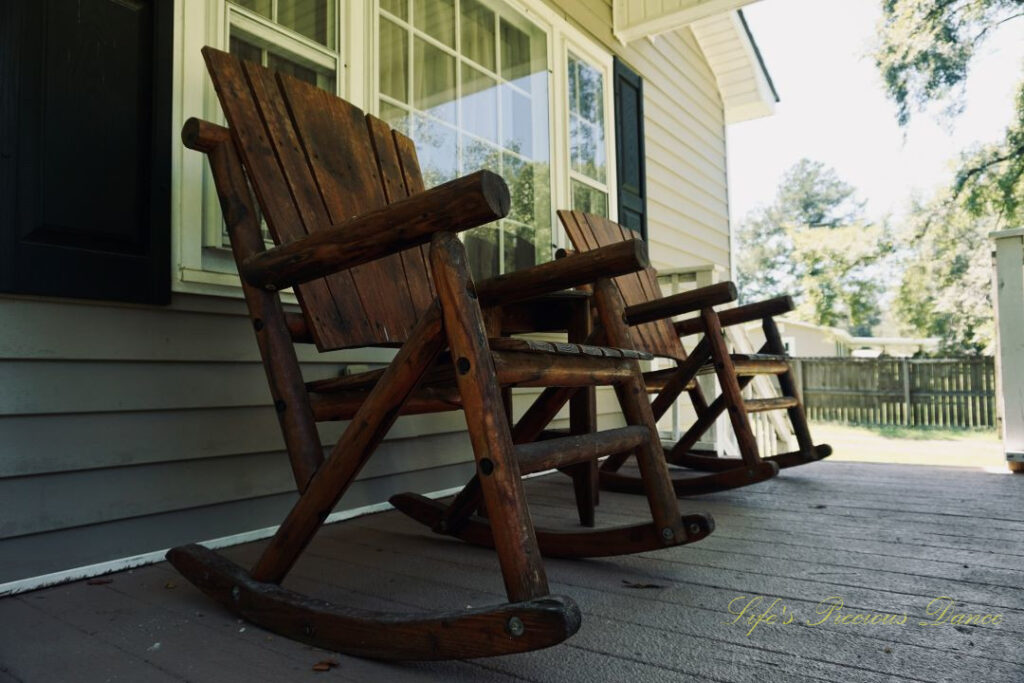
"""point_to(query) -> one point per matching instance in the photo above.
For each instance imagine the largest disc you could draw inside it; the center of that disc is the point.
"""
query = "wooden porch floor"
(884, 538)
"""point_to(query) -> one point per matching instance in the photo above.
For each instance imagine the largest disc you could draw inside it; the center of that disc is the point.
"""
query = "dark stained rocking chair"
(650, 317)
(344, 200)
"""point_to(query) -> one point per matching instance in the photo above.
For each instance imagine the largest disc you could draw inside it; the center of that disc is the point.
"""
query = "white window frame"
(602, 60)
(200, 264)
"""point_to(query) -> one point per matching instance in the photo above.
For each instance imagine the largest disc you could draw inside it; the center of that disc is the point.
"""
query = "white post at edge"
(1009, 289)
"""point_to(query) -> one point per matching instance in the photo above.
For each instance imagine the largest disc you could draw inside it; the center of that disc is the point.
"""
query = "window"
(468, 81)
(588, 174)
(475, 83)
(296, 37)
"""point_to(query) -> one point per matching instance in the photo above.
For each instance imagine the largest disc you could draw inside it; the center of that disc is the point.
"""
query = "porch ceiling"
(724, 37)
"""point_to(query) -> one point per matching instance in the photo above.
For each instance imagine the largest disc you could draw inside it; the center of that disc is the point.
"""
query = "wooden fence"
(940, 392)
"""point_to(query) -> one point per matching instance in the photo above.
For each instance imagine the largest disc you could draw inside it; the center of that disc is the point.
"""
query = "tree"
(946, 288)
(924, 53)
(812, 242)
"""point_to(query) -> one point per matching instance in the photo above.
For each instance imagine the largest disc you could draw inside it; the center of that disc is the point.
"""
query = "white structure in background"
(808, 340)
(1009, 300)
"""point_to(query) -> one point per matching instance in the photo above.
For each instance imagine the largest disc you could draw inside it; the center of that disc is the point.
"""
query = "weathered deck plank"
(886, 538)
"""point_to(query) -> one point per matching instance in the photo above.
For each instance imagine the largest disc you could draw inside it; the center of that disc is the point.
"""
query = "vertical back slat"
(338, 147)
(419, 283)
(268, 181)
(413, 177)
(307, 201)
(591, 232)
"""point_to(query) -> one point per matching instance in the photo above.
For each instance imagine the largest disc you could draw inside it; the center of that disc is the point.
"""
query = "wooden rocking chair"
(344, 200)
(650, 317)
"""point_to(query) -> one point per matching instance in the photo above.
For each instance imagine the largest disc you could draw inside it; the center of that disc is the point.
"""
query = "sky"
(833, 108)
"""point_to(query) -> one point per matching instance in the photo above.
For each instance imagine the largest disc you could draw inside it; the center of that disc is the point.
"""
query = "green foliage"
(840, 282)
(946, 288)
(924, 52)
(812, 242)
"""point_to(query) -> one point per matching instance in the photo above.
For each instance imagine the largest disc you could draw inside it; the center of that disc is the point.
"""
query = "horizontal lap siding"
(685, 138)
(119, 424)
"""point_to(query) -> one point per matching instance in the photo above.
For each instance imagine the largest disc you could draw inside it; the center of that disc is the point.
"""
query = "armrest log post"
(458, 205)
(578, 269)
(741, 314)
(677, 304)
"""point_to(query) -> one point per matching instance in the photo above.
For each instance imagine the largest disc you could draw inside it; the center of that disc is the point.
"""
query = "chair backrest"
(587, 231)
(313, 159)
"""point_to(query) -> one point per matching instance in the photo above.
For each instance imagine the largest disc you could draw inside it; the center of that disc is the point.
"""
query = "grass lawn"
(912, 446)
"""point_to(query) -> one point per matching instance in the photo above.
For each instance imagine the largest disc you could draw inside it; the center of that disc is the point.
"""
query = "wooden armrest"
(458, 205)
(203, 136)
(741, 314)
(624, 257)
(685, 302)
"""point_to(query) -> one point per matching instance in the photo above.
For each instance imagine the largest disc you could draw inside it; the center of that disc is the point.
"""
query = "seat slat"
(269, 182)
(337, 143)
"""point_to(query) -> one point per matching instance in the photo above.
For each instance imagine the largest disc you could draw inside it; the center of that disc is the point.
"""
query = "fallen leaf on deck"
(630, 584)
(325, 665)
(170, 585)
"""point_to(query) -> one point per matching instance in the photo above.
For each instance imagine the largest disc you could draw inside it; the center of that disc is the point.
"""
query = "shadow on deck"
(886, 539)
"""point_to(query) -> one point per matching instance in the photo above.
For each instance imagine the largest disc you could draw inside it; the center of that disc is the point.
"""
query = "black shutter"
(629, 148)
(85, 106)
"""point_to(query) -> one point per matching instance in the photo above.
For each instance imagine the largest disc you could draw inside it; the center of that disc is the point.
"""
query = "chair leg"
(787, 383)
(367, 429)
(497, 468)
(636, 407)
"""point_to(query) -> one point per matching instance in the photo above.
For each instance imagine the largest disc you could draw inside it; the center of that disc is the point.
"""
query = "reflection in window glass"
(586, 119)
(394, 56)
(434, 84)
(589, 199)
(400, 8)
(483, 106)
(587, 162)
(478, 33)
(436, 18)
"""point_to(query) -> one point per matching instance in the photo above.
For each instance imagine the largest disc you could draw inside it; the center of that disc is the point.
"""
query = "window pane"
(479, 103)
(396, 117)
(483, 251)
(434, 144)
(394, 61)
(586, 198)
(436, 18)
(246, 51)
(434, 82)
(258, 6)
(478, 33)
(520, 246)
(311, 18)
(303, 73)
(485, 107)
(586, 120)
(516, 53)
(399, 8)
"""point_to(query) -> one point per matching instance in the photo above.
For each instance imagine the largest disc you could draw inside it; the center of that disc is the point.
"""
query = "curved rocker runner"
(344, 200)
